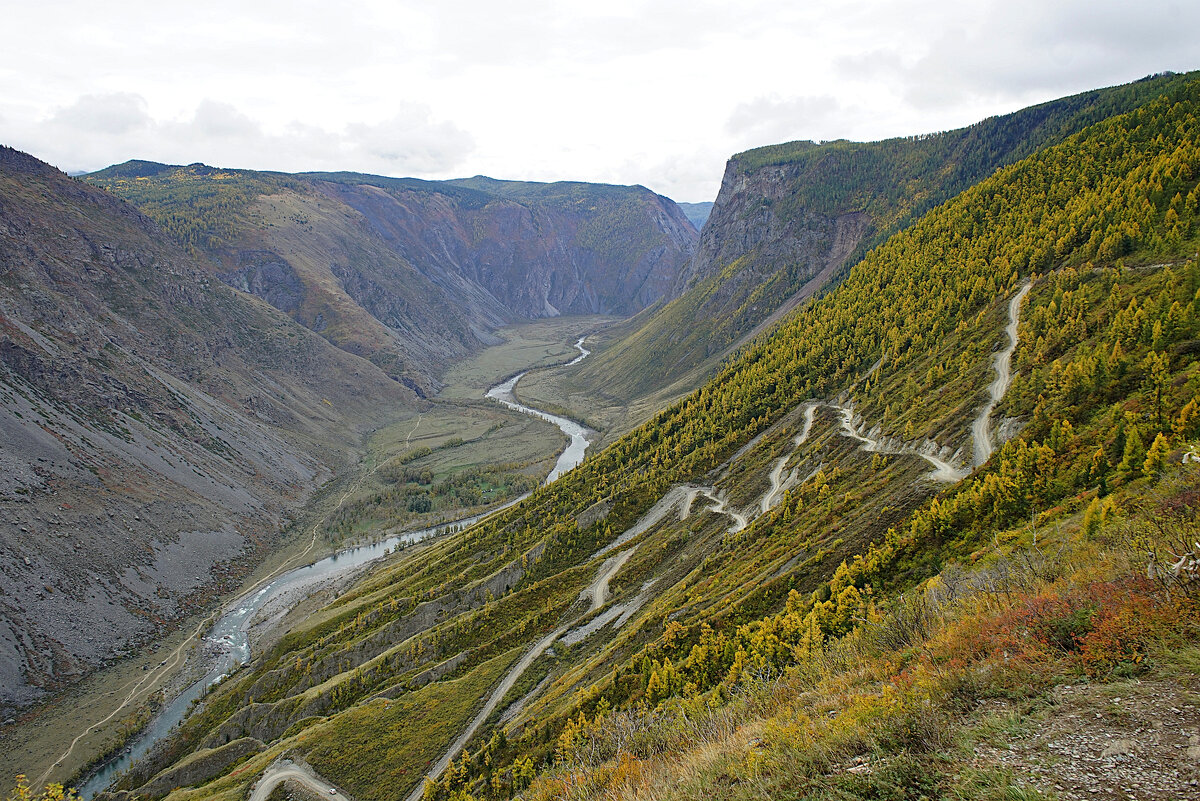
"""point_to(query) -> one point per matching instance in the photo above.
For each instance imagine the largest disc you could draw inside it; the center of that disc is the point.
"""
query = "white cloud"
(100, 129)
(774, 119)
(412, 140)
(216, 120)
(1011, 50)
(117, 114)
(658, 92)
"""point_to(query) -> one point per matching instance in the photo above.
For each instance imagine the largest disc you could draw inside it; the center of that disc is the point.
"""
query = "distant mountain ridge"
(413, 273)
(697, 212)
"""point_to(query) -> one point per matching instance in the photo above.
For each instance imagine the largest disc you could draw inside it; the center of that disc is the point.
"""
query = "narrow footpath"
(943, 471)
(779, 484)
(596, 593)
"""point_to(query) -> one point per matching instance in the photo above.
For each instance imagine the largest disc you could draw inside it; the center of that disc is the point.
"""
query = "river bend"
(504, 394)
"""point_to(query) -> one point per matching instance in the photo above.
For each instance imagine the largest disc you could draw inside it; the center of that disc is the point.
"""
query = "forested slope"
(1108, 387)
(790, 219)
(715, 595)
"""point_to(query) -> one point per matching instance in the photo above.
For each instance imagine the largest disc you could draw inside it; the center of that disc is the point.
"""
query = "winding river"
(226, 646)
(577, 447)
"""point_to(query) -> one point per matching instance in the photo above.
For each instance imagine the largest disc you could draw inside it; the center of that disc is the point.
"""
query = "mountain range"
(415, 274)
(907, 508)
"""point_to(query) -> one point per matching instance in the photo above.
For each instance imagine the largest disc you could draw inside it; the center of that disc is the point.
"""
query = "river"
(503, 394)
(227, 644)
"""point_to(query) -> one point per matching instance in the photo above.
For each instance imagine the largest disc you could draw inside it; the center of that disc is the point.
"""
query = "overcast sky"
(656, 92)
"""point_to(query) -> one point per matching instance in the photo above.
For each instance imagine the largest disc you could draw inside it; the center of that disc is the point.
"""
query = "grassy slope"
(198, 205)
(921, 300)
(1005, 682)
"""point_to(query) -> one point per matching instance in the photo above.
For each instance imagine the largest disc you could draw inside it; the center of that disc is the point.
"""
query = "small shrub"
(52, 792)
(1127, 627)
(900, 778)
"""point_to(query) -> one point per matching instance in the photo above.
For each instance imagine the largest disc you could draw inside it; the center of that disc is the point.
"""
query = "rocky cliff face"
(156, 427)
(330, 268)
(767, 251)
(760, 254)
(753, 220)
(542, 251)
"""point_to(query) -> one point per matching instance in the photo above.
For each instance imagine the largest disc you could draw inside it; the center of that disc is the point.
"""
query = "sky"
(653, 92)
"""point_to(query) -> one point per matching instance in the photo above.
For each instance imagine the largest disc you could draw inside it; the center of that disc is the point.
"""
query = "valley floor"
(459, 433)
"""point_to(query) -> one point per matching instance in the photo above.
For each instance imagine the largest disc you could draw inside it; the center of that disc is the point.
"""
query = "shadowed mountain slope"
(156, 427)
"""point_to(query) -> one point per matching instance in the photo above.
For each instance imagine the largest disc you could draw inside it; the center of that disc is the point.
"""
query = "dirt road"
(981, 428)
(286, 769)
